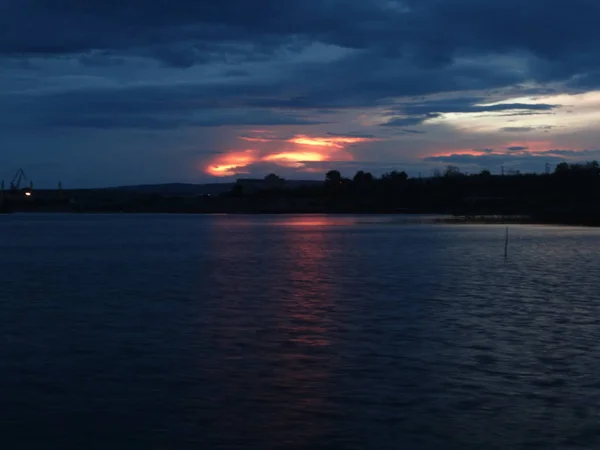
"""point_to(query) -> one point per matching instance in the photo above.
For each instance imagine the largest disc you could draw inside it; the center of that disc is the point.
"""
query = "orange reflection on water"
(306, 313)
(304, 320)
(315, 220)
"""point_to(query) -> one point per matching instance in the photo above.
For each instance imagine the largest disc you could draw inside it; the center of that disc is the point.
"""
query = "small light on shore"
(28, 194)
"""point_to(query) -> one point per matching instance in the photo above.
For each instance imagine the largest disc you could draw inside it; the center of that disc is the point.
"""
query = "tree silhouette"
(562, 167)
(333, 177)
(395, 176)
(362, 178)
(358, 178)
(452, 171)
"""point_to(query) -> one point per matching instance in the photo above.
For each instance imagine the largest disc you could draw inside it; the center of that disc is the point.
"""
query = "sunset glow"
(373, 91)
(231, 163)
(336, 142)
(255, 139)
(294, 152)
(294, 159)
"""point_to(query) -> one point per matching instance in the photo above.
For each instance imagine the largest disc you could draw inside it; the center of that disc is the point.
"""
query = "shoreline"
(408, 218)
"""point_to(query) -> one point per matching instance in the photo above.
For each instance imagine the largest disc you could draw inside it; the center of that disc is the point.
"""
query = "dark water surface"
(238, 332)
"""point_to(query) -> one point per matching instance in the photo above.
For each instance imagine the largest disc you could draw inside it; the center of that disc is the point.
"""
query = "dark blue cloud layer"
(398, 56)
(433, 32)
(400, 49)
(527, 160)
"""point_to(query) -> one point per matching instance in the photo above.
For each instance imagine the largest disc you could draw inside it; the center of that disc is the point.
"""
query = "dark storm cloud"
(345, 83)
(575, 153)
(517, 148)
(264, 62)
(352, 135)
(100, 59)
(372, 78)
(395, 54)
(235, 73)
(407, 131)
(415, 113)
(517, 129)
(467, 105)
(526, 113)
(532, 159)
(561, 36)
(311, 87)
(177, 32)
(149, 107)
(214, 119)
(408, 121)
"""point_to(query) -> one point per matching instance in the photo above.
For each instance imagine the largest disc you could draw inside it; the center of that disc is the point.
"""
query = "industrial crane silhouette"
(20, 176)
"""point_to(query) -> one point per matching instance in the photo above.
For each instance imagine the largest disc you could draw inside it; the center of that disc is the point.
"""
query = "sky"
(105, 93)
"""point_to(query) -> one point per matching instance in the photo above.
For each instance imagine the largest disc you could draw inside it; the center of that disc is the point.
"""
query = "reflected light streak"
(306, 319)
(303, 372)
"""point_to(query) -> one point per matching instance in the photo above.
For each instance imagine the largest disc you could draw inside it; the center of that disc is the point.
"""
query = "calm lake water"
(297, 332)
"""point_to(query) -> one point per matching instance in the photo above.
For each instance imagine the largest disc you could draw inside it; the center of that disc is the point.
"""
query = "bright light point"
(28, 194)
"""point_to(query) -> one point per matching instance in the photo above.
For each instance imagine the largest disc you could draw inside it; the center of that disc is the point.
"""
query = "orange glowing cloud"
(294, 152)
(255, 139)
(337, 142)
(469, 152)
(294, 159)
(231, 163)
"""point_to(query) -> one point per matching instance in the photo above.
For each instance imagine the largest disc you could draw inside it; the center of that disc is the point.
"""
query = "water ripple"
(225, 332)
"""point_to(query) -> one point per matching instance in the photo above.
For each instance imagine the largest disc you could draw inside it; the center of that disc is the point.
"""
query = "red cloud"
(293, 152)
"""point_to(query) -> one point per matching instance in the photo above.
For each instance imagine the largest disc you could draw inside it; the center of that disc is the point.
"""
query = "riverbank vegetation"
(569, 194)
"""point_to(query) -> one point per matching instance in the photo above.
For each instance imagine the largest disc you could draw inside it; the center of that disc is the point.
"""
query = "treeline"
(570, 189)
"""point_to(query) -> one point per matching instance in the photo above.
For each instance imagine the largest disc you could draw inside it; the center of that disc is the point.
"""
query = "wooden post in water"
(506, 244)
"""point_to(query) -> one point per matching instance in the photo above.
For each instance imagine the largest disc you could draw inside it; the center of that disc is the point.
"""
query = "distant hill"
(302, 183)
(200, 189)
(179, 188)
